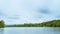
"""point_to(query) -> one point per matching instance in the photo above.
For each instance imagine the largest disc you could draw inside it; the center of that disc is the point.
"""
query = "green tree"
(1, 24)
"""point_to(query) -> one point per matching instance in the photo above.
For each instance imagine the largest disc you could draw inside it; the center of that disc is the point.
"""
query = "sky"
(29, 11)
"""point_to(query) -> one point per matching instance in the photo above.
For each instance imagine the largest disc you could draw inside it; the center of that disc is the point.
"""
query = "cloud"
(27, 11)
(44, 11)
(2, 13)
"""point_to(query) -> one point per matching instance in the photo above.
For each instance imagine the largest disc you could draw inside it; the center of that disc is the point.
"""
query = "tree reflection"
(1, 30)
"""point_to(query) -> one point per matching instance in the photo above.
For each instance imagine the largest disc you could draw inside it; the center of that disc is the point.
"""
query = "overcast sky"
(29, 11)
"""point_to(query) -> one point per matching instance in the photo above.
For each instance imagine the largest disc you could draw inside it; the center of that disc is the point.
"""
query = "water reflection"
(14, 30)
(1, 30)
(31, 30)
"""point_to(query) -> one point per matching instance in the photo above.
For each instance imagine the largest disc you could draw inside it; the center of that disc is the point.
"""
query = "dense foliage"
(1, 24)
(54, 23)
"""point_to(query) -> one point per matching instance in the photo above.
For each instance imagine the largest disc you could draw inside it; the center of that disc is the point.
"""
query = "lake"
(30, 30)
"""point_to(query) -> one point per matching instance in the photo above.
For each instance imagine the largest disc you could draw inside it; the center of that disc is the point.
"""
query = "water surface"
(30, 30)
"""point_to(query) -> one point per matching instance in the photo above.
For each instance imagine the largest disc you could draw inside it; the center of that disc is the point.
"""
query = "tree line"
(53, 23)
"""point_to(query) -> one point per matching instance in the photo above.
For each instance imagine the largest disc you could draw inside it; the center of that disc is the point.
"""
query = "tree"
(1, 24)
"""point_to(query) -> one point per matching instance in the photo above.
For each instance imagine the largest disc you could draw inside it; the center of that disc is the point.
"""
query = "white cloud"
(22, 11)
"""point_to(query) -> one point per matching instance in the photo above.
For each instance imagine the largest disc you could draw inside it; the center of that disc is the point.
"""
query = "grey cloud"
(13, 17)
(2, 14)
(44, 11)
(58, 16)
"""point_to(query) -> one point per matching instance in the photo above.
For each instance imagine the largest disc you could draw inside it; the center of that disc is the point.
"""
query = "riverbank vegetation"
(1, 24)
(53, 23)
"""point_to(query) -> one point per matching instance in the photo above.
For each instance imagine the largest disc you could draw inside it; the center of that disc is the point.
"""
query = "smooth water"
(30, 30)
